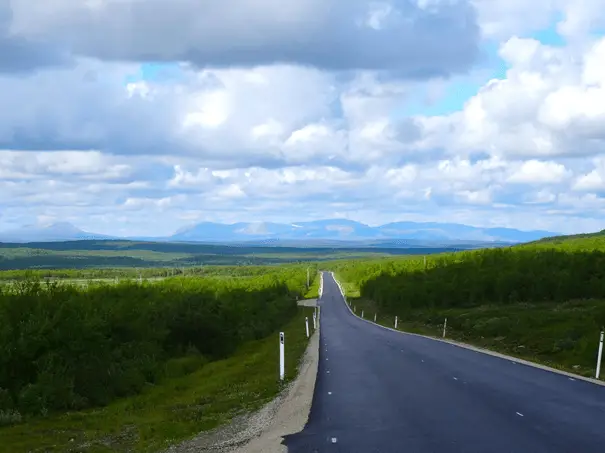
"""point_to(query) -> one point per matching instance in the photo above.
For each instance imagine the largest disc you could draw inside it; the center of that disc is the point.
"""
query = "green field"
(131, 254)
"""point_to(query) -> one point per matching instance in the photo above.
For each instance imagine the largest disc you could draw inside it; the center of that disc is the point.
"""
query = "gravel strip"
(262, 431)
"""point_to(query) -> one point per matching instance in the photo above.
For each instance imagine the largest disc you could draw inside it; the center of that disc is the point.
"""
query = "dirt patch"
(262, 431)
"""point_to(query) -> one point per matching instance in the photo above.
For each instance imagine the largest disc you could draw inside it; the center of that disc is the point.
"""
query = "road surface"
(382, 391)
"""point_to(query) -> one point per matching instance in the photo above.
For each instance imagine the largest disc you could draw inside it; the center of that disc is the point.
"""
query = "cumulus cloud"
(413, 38)
(538, 172)
(313, 114)
(551, 103)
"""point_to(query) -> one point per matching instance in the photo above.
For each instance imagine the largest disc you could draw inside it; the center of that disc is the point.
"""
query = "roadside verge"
(471, 347)
(262, 431)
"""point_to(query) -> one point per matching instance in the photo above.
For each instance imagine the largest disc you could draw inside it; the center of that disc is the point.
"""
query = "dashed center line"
(329, 393)
(520, 414)
(455, 378)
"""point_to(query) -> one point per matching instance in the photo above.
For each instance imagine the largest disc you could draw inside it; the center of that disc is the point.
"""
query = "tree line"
(490, 276)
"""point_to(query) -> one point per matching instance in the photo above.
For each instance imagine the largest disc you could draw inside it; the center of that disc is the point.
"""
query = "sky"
(130, 117)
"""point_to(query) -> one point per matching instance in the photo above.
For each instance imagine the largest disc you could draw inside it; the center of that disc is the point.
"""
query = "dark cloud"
(19, 54)
(396, 35)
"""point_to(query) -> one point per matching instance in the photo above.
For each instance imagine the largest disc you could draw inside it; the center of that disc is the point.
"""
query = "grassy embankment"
(544, 302)
(139, 367)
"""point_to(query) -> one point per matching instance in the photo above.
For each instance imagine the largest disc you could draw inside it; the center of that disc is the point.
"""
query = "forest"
(63, 347)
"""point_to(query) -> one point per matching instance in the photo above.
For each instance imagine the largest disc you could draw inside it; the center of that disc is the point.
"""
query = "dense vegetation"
(189, 400)
(577, 242)
(536, 301)
(63, 347)
(500, 276)
(117, 274)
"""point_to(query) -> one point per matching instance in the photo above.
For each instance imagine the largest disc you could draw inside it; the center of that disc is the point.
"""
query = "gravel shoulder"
(262, 431)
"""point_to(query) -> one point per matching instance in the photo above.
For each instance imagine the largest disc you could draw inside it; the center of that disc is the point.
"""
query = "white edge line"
(474, 348)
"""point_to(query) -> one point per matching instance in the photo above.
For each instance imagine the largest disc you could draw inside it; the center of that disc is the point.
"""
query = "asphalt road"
(382, 391)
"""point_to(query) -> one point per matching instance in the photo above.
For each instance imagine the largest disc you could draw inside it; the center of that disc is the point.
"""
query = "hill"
(60, 231)
(587, 241)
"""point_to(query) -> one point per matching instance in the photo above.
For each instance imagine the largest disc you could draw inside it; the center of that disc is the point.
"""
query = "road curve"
(382, 391)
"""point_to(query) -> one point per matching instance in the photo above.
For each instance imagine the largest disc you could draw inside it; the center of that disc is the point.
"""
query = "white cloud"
(575, 20)
(82, 164)
(593, 180)
(551, 103)
(539, 172)
(503, 18)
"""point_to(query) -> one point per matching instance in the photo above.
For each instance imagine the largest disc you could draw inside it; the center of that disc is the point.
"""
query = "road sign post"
(282, 370)
(600, 355)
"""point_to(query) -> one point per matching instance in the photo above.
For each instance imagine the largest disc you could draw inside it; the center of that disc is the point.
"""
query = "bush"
(63, 347)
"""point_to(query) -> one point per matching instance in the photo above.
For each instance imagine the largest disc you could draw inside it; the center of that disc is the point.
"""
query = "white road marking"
(455, 378)
(571, 379)
(334, 440)
(514, 363)
(328, 371)
(520, 414)
(329, 393)
(422, 361)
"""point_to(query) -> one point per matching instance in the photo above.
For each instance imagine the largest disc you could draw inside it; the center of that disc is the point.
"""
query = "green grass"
(313, 292)
(563, 336)
(176, 409)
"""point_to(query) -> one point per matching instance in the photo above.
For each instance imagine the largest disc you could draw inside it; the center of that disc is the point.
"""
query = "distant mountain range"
(60, 231)
(328, 232)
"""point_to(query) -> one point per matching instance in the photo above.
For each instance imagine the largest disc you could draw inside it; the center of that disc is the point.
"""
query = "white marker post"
(282, 368)
(314, 321)
(395, 322)
(374, 317)
(361, 314)
(354, 309)
(600, 355)
(444, 327)
(307, 325)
